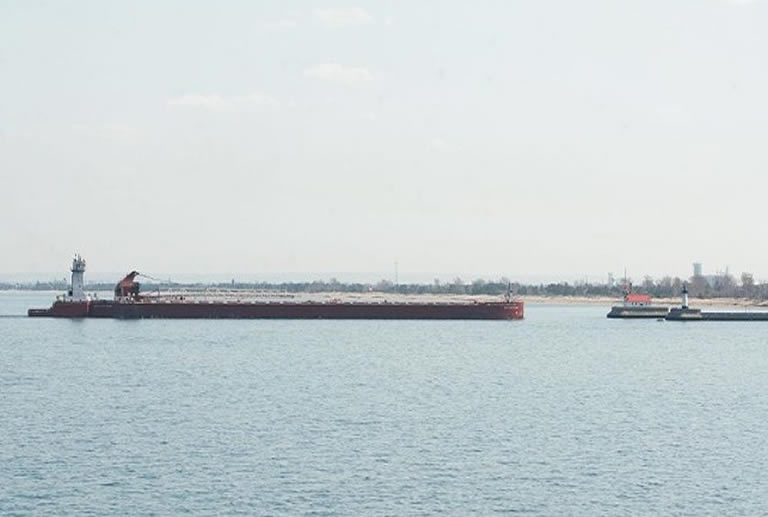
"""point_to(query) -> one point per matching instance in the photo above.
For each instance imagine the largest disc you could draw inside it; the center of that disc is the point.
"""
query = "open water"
(565, 413)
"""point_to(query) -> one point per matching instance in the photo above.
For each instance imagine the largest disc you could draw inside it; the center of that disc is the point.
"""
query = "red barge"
(129, 303)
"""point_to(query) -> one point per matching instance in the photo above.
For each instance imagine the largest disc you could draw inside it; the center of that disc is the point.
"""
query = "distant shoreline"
(606, 301)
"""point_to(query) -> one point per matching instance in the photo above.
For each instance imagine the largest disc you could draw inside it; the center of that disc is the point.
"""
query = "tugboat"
(74, 304)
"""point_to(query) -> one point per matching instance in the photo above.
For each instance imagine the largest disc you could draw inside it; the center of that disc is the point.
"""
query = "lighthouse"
(76, 291)
(684, 304)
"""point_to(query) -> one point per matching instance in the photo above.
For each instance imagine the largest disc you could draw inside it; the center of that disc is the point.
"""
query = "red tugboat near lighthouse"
(130, 303)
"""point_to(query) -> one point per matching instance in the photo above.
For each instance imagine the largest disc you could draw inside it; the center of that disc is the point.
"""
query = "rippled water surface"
(563, 413)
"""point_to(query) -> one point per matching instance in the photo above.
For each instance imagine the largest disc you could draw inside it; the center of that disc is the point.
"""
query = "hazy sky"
(514, 137)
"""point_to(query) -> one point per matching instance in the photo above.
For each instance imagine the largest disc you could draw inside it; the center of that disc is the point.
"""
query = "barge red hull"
(512, 310)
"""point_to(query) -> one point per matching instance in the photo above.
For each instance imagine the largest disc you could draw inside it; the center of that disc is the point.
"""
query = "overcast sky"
(517, 138)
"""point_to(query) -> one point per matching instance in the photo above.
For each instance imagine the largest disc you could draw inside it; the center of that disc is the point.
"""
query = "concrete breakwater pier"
(653, 311)
(686, 314)
(641, 308)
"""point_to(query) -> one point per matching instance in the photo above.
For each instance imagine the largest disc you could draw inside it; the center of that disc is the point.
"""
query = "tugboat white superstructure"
(77, 287)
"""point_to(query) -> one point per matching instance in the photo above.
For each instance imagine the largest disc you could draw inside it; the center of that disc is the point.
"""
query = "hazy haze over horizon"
(555, 138)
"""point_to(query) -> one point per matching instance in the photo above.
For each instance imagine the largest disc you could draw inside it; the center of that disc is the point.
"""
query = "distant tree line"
(723, 285)
(52, 285)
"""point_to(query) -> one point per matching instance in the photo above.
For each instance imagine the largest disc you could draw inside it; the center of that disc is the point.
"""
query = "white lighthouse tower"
(76, 291)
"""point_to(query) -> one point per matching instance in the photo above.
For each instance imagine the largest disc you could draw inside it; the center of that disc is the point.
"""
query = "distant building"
(697, 269)
(711, 281)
